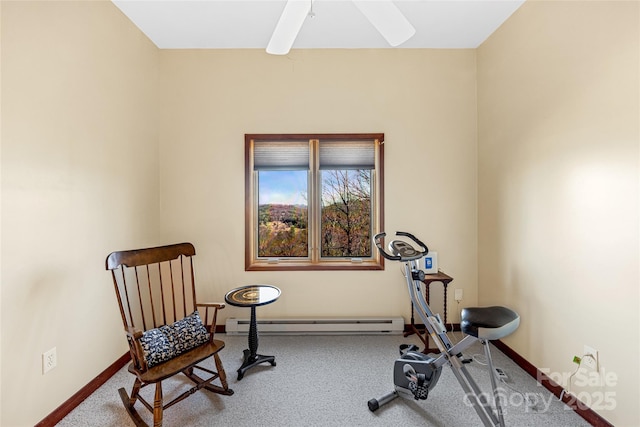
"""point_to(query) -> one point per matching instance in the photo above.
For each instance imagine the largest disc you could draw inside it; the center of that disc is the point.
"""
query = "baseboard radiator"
(319, 326)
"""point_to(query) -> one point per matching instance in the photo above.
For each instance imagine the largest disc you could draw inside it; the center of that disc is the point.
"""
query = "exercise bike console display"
(416, 374)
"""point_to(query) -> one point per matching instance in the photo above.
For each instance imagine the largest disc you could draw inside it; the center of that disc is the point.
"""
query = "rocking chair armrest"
(210, 315)
(134, 333)
(217, 305)
(135, 348)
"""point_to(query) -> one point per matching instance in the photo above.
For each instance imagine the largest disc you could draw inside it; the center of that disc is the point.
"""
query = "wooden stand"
(423, 334)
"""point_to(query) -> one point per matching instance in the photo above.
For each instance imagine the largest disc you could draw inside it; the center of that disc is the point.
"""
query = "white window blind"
(285, 155)
(347, 154)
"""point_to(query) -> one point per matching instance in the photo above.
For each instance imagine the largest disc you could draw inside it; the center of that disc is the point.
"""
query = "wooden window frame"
(253, 263)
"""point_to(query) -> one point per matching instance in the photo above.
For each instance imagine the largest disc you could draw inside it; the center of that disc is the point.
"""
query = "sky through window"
(283, 187)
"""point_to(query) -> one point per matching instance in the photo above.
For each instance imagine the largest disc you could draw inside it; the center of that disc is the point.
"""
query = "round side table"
(253, 296)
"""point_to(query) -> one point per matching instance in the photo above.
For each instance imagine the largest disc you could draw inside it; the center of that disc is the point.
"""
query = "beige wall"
(423, 100)
(558, 91)
(79, 179)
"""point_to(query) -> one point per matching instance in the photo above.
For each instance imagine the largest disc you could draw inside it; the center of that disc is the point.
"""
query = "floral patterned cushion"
(168, 341)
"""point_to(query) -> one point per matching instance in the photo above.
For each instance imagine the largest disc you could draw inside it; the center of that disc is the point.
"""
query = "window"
(313, 202)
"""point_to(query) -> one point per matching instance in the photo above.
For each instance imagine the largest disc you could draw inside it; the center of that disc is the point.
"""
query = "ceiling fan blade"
(288, 27)
(388, 20)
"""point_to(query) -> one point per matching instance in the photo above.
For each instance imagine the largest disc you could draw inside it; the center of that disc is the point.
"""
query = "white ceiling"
(237, 24)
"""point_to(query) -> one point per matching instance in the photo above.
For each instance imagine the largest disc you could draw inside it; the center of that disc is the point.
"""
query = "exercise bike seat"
(489, 323)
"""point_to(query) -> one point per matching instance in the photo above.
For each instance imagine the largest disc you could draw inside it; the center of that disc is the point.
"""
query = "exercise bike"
(415, 373)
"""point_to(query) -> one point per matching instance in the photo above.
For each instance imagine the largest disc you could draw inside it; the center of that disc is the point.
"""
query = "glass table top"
(252, 295)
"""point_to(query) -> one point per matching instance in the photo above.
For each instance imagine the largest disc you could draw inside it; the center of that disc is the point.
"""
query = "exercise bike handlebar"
(418, 254)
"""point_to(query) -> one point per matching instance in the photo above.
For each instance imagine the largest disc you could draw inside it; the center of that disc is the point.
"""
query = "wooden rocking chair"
(167, 329)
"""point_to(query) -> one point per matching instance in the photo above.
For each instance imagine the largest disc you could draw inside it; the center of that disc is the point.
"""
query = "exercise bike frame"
(450, 354)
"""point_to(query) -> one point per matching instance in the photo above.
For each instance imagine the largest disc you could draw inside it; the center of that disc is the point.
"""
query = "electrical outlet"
(49, 360)
(458, 295)
(590, 358)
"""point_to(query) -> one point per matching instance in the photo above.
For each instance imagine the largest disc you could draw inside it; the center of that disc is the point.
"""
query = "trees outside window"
(346, 213)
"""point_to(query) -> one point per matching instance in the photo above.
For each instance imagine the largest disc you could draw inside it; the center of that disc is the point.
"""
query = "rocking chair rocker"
(167, 330)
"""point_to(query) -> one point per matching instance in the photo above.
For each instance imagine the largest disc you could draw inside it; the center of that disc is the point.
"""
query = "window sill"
(287, 265)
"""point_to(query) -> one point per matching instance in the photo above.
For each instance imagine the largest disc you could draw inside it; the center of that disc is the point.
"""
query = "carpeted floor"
(327, 381)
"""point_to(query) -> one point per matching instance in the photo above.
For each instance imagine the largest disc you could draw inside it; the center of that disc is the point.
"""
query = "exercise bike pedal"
(464, 359)
(406, 348)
